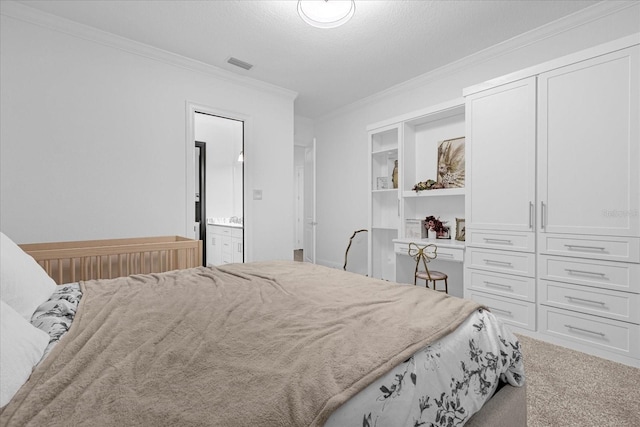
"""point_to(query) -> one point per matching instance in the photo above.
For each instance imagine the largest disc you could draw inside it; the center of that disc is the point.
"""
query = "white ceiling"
(386, 42)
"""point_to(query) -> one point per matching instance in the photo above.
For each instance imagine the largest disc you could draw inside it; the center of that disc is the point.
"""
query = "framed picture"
(451, 163)
(382, 183)
(443, 234)
(460, 231)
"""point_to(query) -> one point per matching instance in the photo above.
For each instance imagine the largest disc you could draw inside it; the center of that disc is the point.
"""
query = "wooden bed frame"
(68, 262)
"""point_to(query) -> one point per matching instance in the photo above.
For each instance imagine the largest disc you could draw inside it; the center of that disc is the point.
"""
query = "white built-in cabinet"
(224, 245)
(384, 219)
(408, 144)
(553, 207)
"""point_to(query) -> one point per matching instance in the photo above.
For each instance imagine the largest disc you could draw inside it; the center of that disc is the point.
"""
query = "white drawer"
(520, 263)
(600, 302)
(604, 274)
(443, 254)
(227, 244)
(237, 232)
(513, 312)
(625, 249)
(501, 284)
(606, 334)
(220, 230)
(515, 241)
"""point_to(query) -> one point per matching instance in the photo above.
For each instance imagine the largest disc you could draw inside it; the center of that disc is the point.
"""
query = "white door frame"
(310, 224)
(191, 108)
(299, 210)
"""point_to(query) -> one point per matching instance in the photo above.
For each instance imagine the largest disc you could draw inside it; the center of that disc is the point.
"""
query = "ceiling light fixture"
(326, 13)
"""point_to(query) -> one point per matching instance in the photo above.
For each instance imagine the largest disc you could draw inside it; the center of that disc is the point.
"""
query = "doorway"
(220, 204)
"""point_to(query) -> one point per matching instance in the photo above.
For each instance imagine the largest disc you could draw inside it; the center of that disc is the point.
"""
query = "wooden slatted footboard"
(68, 262)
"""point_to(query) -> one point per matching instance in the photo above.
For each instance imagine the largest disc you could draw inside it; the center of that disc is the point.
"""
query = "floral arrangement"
(433, 223)
(427, 185)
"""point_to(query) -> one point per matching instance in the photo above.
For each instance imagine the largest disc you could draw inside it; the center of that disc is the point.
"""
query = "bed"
(268, 343)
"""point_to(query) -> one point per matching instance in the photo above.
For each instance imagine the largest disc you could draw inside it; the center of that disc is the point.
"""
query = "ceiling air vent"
(239, 63)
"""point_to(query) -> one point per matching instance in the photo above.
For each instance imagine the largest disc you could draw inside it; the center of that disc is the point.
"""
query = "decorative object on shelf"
(426, 185)
(436, 228)
(443, 234)
(451, 166)
(460, 229)
(394, 175)
(382, 183)
(415, 229)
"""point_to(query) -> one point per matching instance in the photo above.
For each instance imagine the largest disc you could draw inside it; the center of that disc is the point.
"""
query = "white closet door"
(588, 139)
(501, 144)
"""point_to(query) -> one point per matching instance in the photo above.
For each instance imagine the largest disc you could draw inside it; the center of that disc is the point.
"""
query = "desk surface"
(441, 243)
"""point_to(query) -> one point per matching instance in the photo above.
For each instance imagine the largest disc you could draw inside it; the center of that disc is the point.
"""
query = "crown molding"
(577, 19)
(33, 16)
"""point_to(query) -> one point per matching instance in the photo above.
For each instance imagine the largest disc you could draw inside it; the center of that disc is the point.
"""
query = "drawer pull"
(495, 262)
(500, 285)
(501, 311)
(594, 248)
(602, 303)
(588, 273)
(445, 254)
(503, 241)
(584, 330)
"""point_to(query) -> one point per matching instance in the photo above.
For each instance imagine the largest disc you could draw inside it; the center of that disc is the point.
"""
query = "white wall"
(342, 154)
(106, 154)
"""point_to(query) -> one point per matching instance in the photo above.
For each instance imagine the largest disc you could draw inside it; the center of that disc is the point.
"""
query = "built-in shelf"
(404, 151)
(387, 151)
(435, 193)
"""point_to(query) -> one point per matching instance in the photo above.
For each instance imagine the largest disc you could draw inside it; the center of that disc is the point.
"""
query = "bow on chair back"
(423, 253)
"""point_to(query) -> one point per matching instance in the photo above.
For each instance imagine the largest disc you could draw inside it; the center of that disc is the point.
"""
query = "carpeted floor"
(570, 388)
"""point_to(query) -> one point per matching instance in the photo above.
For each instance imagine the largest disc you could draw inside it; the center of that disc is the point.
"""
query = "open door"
(201, 197)
(310, 204)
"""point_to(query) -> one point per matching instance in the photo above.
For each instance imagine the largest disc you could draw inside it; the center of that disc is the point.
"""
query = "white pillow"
(21, 348)
(24, 285)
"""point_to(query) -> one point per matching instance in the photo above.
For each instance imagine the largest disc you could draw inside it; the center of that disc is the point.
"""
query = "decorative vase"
(431, 234)
(394, 176)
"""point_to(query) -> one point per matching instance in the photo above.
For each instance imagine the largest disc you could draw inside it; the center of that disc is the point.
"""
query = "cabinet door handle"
(542, 215)
(493, 261)
(496, 285)
(595, 248)
(504, 241)
(602, 303)
(584, 330)
(583, 272)
(501, 311)
(531, 215)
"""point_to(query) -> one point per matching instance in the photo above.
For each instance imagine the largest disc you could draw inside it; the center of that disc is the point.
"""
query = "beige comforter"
(259, 344)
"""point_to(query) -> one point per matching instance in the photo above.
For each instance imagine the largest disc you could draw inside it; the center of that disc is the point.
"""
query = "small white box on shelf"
(382, 183)
(415, 229)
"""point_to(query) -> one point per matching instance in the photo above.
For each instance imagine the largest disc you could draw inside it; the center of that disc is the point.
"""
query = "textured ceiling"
(386, 42)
